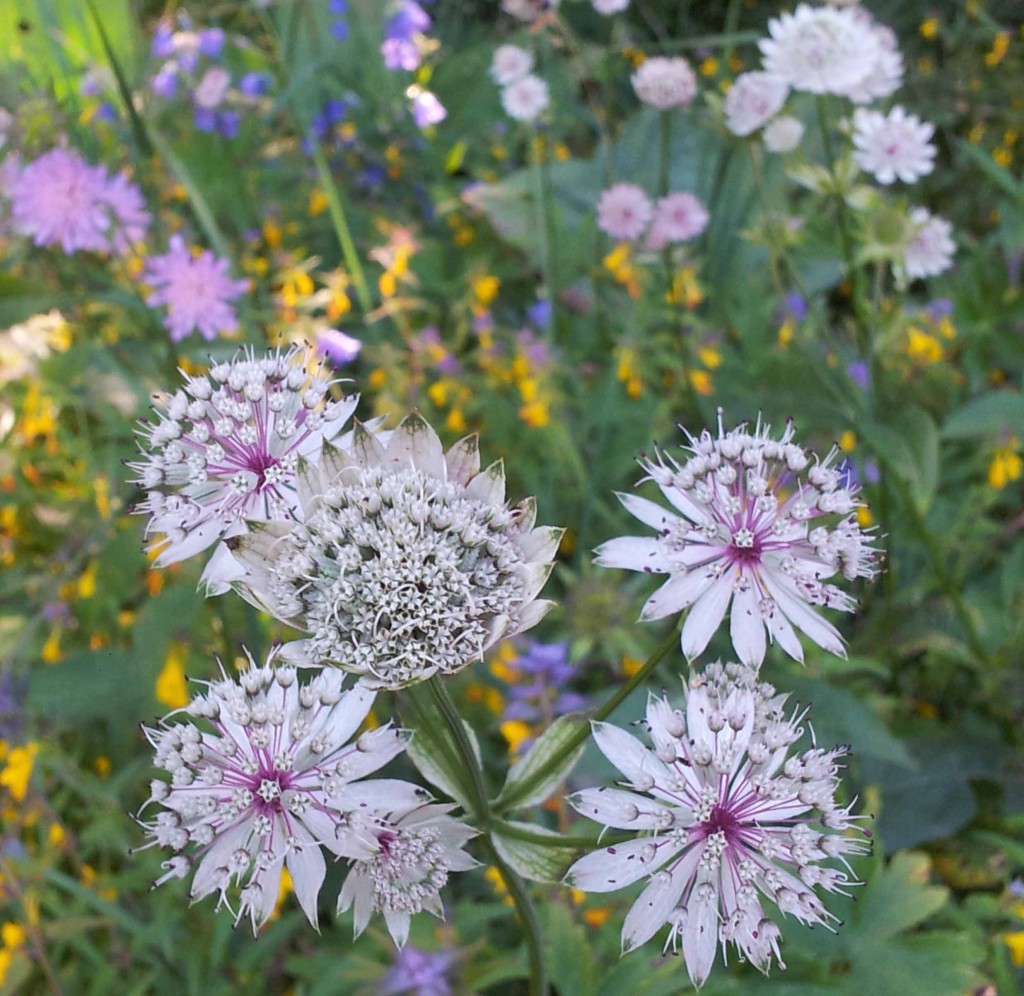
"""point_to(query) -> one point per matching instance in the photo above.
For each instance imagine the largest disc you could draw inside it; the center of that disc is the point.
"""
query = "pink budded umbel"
(757, 527)
(225, 449)
(893, 146)
(264, 775)
(726, 816)
(930, 248)
(664, 82)
(624, 211)
(753, 100)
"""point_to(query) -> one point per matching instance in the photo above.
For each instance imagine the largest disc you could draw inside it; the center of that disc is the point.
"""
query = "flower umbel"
(408, 560)
(726, 815)
(756, 525)
(226, 448)
(268, 786)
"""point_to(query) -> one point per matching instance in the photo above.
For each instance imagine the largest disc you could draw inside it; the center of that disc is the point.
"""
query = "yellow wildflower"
(56, 836)
(317, 203)
(711, 358)
(86, 586)
(535, 414)
(929, 27)
(286, 887)
(18, 770)
(631, 665)
(709, 67)
(923, 347)
(515, 731)
(864, 517)
(456, 421)
(438, 393)
(1002, 156)
(101, 491)
(848, 441)
(1006, 465)
(999, 48)
(1015, 942)
(786, 330)
(378, 378)
(51, 652)
(272, 233)
(597, 916)
(701, 381)
(102, 766)
(495, 878)
(171, 686)
(485, 289)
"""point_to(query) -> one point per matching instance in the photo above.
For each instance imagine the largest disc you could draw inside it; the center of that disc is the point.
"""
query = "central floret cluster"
(407, 563)
(757, 525)
(726, 816)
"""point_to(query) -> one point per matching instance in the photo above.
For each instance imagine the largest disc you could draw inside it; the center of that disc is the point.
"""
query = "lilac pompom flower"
(755, 525)
(725, 815)
(407, 561)
(226, 447)
(266, 780)
(196, 290)
(624, 211)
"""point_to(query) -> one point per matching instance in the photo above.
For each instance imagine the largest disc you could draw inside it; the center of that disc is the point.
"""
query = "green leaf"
(434, 752)
(102, 684)
(908, 444)
(898, 897)
(570, 961)
(533, 860)
(546, 764)
(994, 412)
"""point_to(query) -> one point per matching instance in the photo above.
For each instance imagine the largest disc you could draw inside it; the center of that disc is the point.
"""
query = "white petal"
(382, 795)
(746, 627)
(648, 512)
(195, 541)
(532, 614)
(220, 572)
(308, 486)
(706, 616)
(489, 485)
(525, 514)
(700, 933)
(781, 631)
(415, 444)
(534, 577)
(398, 926)
(623, 810)
(686, 505)
(463, 460)
(641, 766)
(801, 615)
(348, 712)
(367, 446)
(307, 868)
(619, 865)
(679, 591)
(541, 544)
(633, 553)
(357, 891)
(208, 873)
(334, 462)
(654, 905)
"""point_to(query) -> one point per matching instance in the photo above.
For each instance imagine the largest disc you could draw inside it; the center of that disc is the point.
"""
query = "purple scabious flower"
(211, 42)
(165, 82)
(194, 289)
(400, 31)
(859, 373)
(427, 110)
(416, 972)
(337, 347)
(162, 46)
(254, 84)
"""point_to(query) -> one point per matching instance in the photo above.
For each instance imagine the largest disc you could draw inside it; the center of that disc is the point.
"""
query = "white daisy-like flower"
(886, 74)
(755, 525)
(623, 212)
(407, 562)
(782, 134)
(678, 217)
(752, 100)
(510, 63)
(608, 7)
(664, 82)
(226, 446)
(526, 98)
(413, 852)
(930, 247)
(820, 49)
(726, 816)
(893, 146)
(268, 785)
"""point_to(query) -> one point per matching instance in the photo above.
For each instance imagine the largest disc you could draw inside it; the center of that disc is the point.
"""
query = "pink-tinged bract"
(726, 814)
(755, 529)
(893, 146)
(624, 211)
(664, 82)
(930, 247)
(264, 777)
(678, 217)
(753, 100)
(196, 290)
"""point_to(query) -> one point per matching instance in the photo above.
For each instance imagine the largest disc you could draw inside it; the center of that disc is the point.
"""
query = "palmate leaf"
(536, 775)
(533, 860)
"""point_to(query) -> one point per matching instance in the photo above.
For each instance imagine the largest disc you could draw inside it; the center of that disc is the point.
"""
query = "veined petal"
(801, 615)
(416, 444)
(625, 810)
(706, 616)
(532, 614)
(195, 541)
(679, 591)
(541, 544)
(700, 929)
(746, 627)
(655, 904)
(307, 868)
(489, 485)
(615, 867)
(462, 461)
(642, 767)
(398, 926)
(633, 553)
(648, 512)
(221, 571)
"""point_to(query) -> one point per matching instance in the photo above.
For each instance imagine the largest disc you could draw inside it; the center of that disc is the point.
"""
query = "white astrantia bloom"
(886, 74)
(510, 63)
(526, 98)
(782, 134)
(930, 247)
(412, 852)
(665, 82)
(725, 815)
(678, 217)
(820, 49)
(753, 99)
(407, 562)
(893, 146)
(755, 525)
(624, 211)
(271, 780)
(226, 446)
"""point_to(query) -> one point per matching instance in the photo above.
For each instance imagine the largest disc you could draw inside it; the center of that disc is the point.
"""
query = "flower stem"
(562, 840)
(527, 785)
(483, 816)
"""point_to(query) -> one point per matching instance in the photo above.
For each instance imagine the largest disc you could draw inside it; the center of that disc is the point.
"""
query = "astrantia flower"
(268, 786)
(407, 562)
(59, 199)
(885, 76)
(754, 525)
(510, 63)
(194, 289)
(226, 448)
(726, 815)
(752, 100)
(526, 98)
(663, 82)
(820, 49)
(624, 211)
(782, 134)
(930, 248)
(893, 146)
(414, 851)
(677, 218)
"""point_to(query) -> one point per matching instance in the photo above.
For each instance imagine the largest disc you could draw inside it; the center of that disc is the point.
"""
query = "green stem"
(527, 785)
(341, 229)
(946, 582)
(483, 816)
(562, 840)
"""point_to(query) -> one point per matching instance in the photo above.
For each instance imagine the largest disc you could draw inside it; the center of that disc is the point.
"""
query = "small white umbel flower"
(757, 525)
(272, 781)
(412, 853)
(225, 449)
(407, 562)
(725, 815)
